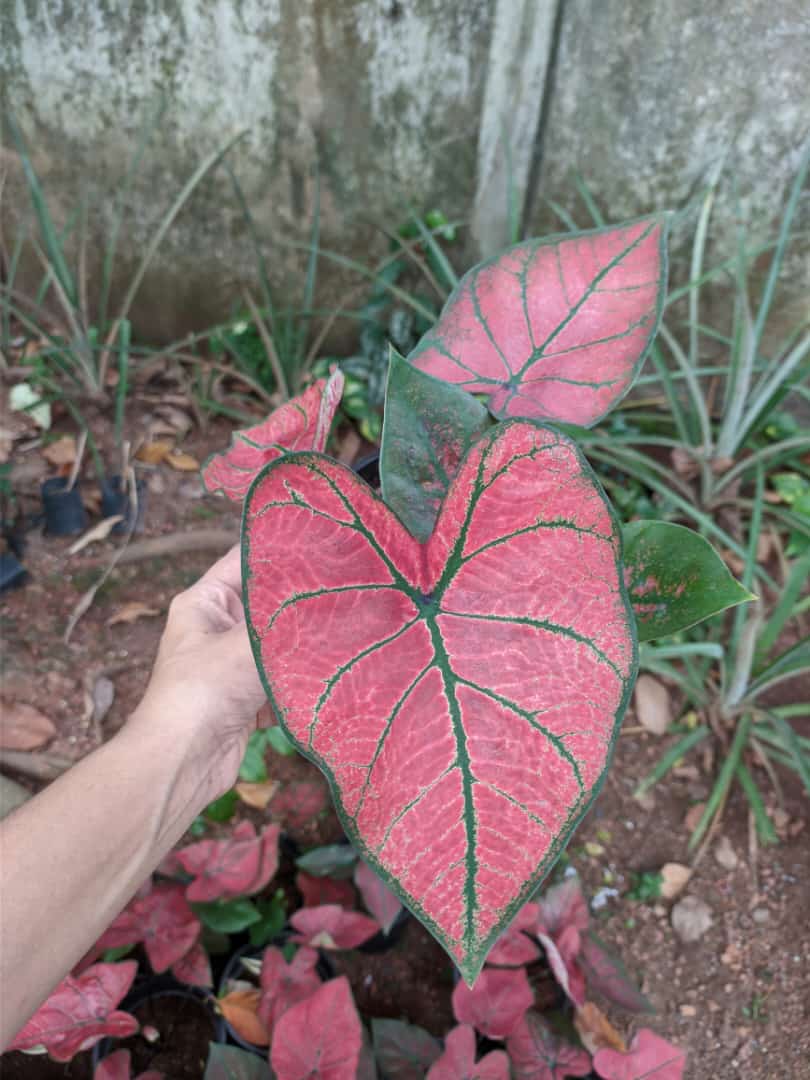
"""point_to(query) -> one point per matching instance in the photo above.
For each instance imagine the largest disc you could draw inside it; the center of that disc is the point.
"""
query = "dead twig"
(159, 546)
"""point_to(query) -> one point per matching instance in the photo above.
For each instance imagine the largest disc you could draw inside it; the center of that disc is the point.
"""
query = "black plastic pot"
(153, 989)
(115, 500)
(64, 512)
(12, 571)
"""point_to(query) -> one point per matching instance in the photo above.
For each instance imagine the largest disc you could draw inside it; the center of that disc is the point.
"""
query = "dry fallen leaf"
(128, 613)
(257, 795)
(22, 727)
(674, 879)
(61, 451)
(239, 1009)
(183, 462)
(152, 453)
(652, 704)
(595, 1030)
(98, 532)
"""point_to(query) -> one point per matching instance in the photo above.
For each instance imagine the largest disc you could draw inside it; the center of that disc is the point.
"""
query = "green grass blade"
(683, 746)
(794, 748)
(562, 214)
(794, 661)
(587, 197)
(724, 779)
(765, 829)
(435, 248)
(123, 380)
(783, 611)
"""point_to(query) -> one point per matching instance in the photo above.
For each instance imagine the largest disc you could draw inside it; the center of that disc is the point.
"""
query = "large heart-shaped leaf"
(461, 695)
(675, 578)
(429, 427)
(240, 865)
(80, 1012)
(320, 1038)
(285, 984)
(300, 424)
(557, 328)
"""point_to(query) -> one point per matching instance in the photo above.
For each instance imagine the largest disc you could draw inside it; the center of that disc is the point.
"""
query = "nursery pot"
(64, 513)
(232, 971)
(12, 571)
(115, 500)
(177, 1011)
(368, 468)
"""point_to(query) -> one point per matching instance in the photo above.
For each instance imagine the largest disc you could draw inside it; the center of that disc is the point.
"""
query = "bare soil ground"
(738, 999)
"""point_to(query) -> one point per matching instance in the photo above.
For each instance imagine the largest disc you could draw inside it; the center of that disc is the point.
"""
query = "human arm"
(73, 856)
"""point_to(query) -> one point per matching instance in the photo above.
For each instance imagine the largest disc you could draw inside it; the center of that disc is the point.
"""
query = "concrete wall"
(397, 101)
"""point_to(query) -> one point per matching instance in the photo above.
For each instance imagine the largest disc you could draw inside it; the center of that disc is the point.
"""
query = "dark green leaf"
(675, 578)
(273, 916)
(231, 1063)
(429, 426)
(278, 741)
(110, 956)
(403, 1051)
(333, 860)
(227, 916)
(253, 769)
(223, 808)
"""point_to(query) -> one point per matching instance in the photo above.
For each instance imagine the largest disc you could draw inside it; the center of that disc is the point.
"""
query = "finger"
(227, 570)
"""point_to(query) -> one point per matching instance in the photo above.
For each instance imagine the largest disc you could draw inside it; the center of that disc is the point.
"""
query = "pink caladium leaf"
(649, 1057)
(80, 1012)
(320, 1038)
(285, 984)
(462, 695)
(377, 897)
(561, 922)
(331, 927)
(300, 424)
(324, 890)
(562, 952)
(118, 1066)
(496, 1003)
(554, 329)
(605, 973)
(537, 1053)
(516, 945)
(458, 1060)
(162, 920)
(240, 865)
(194, 968)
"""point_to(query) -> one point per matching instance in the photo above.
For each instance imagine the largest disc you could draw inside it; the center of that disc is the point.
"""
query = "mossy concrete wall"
(397, 103)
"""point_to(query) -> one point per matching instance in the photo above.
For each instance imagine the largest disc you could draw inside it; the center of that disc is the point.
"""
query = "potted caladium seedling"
(457, 652)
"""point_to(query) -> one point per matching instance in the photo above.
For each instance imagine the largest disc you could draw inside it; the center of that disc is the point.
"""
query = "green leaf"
(675, 578)
(223, 808)
(333, 860)
(110, 956)
(231, 1063)
(429, 426)
(278, 741)
(253, 769)
(227, 916)
(273, 914)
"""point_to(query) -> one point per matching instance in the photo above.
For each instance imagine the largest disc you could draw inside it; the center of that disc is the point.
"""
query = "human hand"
(204, 686)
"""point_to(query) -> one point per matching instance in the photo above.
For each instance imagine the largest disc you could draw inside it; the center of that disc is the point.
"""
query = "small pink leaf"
(554, 329)
(461, 695)
(495, 1003)
(649, 1058)
(458, 1060)
(537, 1054)
(300, 424)
(285, 984)
(515, 946)
(297, 804)
(162, 920)
(81, 1011)
(330, 927)
(118, 1066)
(561, 953)
(377, 897)
(561, 906)
(226, 869)
(324, 890)
(194, 968)
(319, 1038)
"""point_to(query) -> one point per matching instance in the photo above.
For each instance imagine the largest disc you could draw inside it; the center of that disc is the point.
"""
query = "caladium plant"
(456, 655)
(80, 1012)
